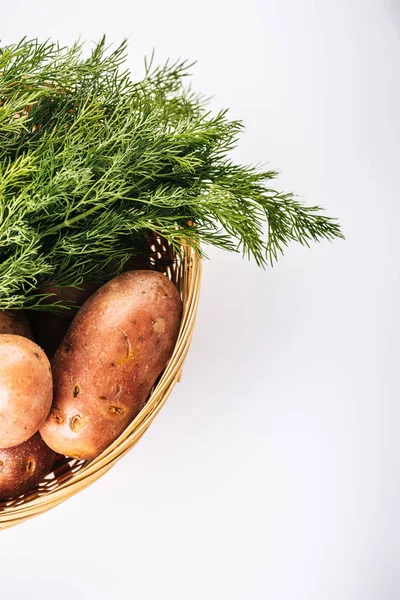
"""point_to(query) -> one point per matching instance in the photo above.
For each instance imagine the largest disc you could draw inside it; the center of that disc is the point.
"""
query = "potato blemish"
(1, 465)
(130, 355)
(158, 325)
(30, 465)
(77, 422)
(76, 391)
(57, 418)
(116, 410)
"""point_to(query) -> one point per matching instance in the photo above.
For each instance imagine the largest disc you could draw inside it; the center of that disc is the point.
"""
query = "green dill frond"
(91, 161)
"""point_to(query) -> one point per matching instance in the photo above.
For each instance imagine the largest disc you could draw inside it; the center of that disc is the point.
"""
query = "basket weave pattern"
(71, 475)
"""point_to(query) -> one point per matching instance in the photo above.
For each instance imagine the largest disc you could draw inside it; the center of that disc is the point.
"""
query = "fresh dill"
(90, 161)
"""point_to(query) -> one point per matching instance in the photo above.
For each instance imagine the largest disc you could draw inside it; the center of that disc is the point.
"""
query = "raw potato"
(15, 322)
(23, 467)
(25, 389)
(118, 344)
(49, 328)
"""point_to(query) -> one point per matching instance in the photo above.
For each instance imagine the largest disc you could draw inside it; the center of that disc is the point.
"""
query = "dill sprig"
(91, 161)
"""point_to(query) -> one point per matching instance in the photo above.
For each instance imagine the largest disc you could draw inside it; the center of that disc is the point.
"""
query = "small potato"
(23, 467)
(25, 389)
(118, 344)
(49, 328)
(15, 322)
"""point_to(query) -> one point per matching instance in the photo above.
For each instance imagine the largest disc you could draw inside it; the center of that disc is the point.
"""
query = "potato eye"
(77, 422)
(116, 410)
(30, 465)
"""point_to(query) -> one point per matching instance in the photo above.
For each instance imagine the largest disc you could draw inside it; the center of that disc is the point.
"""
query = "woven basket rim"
(93, 470)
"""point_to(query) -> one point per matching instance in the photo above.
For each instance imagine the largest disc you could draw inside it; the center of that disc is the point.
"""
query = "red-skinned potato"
(15, 322)
(49, 328)
(103, 371)
(23, 467)
(25, 389)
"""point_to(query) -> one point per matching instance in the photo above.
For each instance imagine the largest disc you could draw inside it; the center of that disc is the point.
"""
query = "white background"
(272, 473)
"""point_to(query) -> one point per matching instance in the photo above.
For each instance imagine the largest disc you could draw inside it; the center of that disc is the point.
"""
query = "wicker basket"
(71, 476)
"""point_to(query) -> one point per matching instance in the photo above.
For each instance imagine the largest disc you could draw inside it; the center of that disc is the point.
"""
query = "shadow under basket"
(70, 475)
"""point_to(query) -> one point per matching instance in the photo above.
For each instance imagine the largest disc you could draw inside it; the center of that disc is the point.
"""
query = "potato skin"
(15, 322)
(49, 328)
(25, 389)
(23, 467)
(118, 344)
